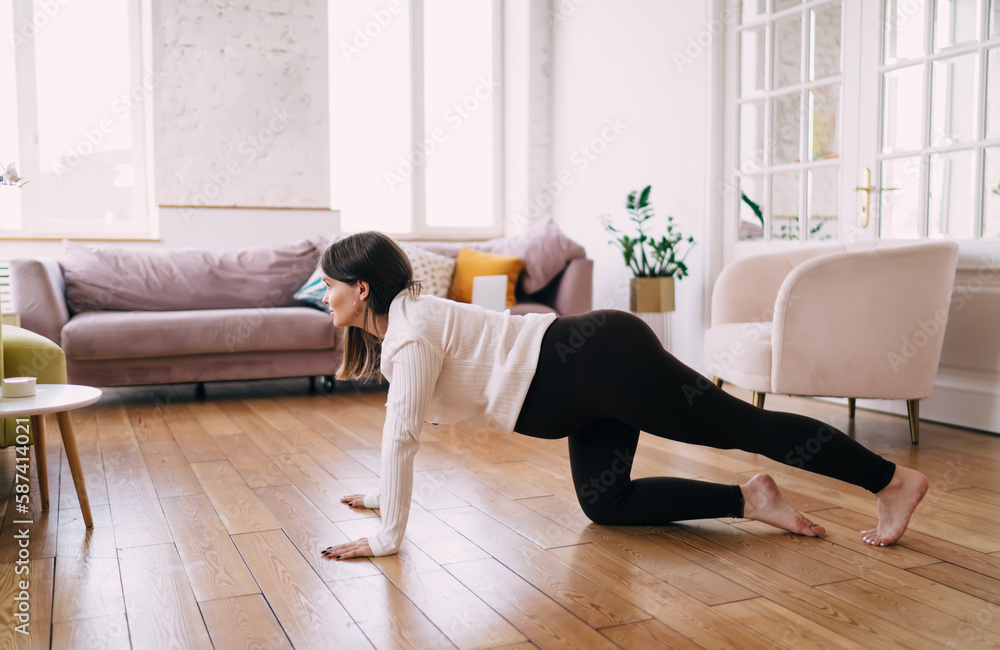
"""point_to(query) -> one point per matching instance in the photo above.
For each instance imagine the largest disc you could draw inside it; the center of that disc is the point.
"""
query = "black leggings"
(604, 376)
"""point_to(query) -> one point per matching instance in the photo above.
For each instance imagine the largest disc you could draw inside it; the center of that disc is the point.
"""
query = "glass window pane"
(993, 93)
(899, 210)
(10, 197)
(750, 9)
(787, 52)
(371, 184)
(785, 205)
(824, 58)
(994, 18)
(824, 108)
(955, 22)
(751, 209)
(953, 100)
(751, 137)
(902, 100)
(86, 153)
(991, 192)
(904, 29)
(786, 129)
(751, 60)
(459, 92)
(779, 5)
(951, 195)
(824, 202)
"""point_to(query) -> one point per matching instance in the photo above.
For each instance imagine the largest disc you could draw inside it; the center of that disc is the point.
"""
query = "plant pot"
(651, 295)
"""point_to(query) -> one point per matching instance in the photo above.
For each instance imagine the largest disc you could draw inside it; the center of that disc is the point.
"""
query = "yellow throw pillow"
(472, 263)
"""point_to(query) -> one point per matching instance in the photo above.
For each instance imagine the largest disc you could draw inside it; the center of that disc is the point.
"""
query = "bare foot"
(896, 502)
(763, 502)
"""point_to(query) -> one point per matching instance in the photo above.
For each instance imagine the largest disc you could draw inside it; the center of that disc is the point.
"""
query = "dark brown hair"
(379, 261)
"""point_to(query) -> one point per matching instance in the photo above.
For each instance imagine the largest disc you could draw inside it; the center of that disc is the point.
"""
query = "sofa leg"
(758, 399)
(913, 411)
(328, 383)
(199, 390)
(850, 407)
(717, 381)
(312, 385)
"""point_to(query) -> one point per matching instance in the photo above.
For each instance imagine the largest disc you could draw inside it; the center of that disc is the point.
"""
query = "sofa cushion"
(544, 248)
(472, 263)
(313, 291)
(432, 270)
(123, 279)
(130, 335)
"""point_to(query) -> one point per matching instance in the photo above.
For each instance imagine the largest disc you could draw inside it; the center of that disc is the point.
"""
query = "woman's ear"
(363, 290)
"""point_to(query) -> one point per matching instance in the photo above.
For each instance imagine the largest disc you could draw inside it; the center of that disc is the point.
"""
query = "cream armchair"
(850, 320)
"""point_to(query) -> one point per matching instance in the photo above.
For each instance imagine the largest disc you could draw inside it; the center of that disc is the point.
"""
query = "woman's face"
(341, 298)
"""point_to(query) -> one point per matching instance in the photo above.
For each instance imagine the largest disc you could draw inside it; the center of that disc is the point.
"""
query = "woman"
(596, 378)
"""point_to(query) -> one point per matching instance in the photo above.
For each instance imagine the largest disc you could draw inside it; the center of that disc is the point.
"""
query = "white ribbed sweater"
(446, 361)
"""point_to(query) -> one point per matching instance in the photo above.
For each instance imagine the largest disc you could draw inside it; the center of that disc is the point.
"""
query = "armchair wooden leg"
(717, 381)
(758, 399)
(850, 407)
(913, 411)
(38, 431)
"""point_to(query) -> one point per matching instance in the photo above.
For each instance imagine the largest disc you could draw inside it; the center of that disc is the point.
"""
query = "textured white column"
(241, 103)
(659, 323)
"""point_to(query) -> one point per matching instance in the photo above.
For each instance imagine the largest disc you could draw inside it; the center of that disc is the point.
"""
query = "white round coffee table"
(59, 399)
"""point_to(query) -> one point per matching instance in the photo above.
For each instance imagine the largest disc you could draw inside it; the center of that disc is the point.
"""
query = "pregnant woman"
(597, 379)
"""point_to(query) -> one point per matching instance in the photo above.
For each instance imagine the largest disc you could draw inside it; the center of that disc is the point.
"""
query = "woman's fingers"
(357, 548)
(354, 500)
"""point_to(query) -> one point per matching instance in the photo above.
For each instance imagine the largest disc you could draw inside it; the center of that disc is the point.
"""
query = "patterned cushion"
(313, 290)
(434, 271)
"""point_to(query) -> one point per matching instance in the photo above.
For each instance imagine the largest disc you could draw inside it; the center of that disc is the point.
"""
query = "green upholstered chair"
(26, 354)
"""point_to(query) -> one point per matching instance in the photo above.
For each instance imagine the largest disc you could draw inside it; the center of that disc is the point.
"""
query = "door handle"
(867, 188)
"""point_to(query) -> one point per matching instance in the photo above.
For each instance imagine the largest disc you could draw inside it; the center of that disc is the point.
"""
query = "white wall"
(630, 108)
(240, 109)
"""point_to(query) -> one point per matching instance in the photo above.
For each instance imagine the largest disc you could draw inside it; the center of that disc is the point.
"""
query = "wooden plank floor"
(210, 517)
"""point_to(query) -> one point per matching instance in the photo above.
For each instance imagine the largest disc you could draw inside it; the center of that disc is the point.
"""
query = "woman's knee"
(601, 498)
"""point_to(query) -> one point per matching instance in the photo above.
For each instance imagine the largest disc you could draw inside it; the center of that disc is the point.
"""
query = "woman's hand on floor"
(357, 548)
(354, 500)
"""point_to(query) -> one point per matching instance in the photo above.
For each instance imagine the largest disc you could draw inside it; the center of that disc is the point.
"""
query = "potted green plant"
(655, 262)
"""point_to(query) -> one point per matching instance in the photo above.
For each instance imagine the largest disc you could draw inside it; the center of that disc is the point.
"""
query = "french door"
(851, 119)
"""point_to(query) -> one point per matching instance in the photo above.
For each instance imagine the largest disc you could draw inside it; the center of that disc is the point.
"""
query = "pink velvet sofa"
(130, 316)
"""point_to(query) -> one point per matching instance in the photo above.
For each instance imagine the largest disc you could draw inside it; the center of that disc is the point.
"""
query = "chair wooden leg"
(850, 407)
(758, 399)
(73, 456)
(913, 411)
(717, 381)
(38, 431)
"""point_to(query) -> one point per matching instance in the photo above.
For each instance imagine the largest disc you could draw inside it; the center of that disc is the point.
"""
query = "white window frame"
(767, 168)
(35, 225)
(977, 146)
(419, 230)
